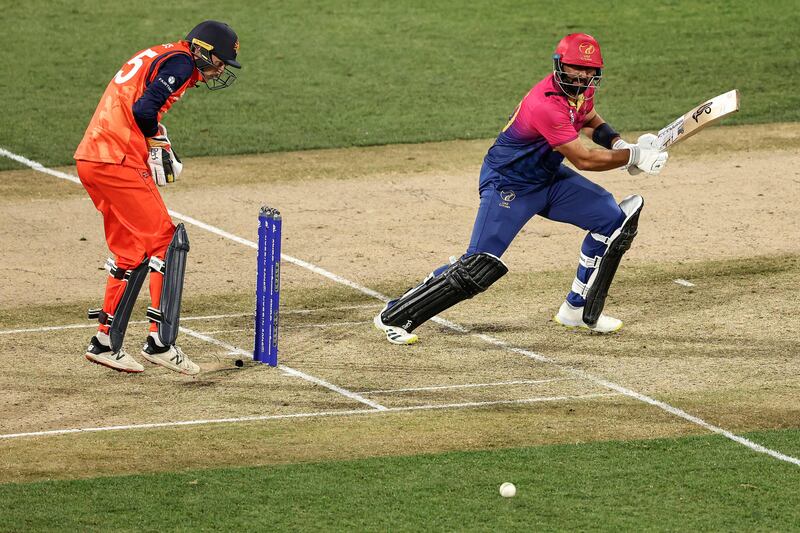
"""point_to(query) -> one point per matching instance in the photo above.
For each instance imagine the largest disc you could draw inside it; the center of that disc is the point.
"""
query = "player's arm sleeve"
(554, 125)
(171, 75)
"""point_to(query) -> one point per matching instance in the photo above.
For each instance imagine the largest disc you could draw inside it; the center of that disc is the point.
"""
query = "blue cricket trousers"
(505, 207)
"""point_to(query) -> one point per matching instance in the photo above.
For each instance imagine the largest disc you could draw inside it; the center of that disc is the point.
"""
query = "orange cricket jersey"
(113, 135)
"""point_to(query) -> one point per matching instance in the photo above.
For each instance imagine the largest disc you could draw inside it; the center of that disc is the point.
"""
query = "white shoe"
(394, 334)
(572, 317)
(101, 354)
(171, 357)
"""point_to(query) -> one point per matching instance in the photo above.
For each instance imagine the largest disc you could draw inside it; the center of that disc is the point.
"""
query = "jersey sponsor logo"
(171, 80)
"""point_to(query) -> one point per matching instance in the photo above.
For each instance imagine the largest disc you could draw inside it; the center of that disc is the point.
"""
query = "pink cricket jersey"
(544, 119)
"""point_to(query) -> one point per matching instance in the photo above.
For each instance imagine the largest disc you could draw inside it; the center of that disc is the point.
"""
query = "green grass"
(687, 484)
(357, 72)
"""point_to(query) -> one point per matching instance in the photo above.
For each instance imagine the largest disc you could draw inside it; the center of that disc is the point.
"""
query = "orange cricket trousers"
(137, 224)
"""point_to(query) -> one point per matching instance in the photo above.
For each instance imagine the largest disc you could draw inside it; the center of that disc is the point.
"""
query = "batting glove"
(650, 159)
(619, 144)
(165, 166)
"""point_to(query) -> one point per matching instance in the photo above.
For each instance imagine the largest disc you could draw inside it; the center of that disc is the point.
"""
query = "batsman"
(523, 175)
(125, 155)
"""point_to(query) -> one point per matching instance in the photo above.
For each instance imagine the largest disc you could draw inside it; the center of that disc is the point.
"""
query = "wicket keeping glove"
(165, 166)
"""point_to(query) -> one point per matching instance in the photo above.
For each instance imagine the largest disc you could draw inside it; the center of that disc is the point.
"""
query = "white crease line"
(93, 324)
(186, 423)
(683, 282)
(38, 166)
(303, 326)
(237, 330)
(644, 398)
(503, 402)
(51, 328)
(299, 415)
(287, 312)
(340, 308)
(452, 325)
(330, 324)
(284, 257)
(464, 386)
(287, 370)
(232, 350)
(216, 317)
(333, 387)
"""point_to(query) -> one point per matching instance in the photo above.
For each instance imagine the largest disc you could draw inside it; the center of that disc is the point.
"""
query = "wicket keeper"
(522, 176)
(124, 156)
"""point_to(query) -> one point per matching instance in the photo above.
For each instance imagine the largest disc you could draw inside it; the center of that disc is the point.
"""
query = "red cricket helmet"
(580, 50)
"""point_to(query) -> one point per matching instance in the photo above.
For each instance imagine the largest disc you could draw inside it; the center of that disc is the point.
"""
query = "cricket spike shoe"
(101, 354)
(394, 334)
(171, 357)
(572, 317)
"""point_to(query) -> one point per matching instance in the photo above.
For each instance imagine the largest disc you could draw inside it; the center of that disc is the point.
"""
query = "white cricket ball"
(508, 490)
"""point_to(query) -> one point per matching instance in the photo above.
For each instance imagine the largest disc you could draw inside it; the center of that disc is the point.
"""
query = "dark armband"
(604, 135)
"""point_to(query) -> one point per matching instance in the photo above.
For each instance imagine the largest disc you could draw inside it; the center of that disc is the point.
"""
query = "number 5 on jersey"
(137, 63)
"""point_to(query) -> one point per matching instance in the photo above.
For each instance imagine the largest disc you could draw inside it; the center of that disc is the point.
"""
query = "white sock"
(154, 334)
(103, 338)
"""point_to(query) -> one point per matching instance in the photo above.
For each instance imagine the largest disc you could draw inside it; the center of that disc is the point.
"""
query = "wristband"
(603, 135)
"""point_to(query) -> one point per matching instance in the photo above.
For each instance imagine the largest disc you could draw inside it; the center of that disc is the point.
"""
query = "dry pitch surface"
(723, 215)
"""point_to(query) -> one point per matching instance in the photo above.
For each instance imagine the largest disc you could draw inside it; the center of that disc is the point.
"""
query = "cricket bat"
(698, 118)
